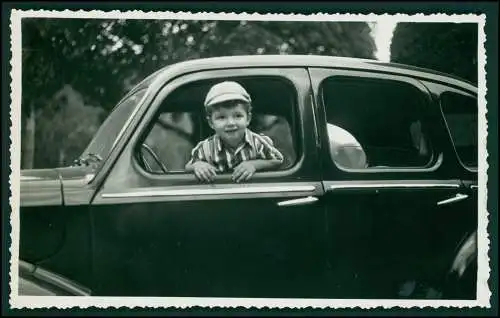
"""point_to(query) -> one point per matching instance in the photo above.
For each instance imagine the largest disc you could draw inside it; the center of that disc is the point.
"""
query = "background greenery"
(446, 47)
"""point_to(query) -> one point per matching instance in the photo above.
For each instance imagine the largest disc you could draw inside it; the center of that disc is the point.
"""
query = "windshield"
(103, 141)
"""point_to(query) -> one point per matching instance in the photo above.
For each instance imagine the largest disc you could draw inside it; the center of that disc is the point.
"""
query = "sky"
(382, 33)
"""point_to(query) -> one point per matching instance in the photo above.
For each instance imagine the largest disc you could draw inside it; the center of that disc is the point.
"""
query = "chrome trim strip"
(458, 197)
(30, 178)
(392, 185)
(313, 105)
(299, 201)
(89, 177)
(212, 191)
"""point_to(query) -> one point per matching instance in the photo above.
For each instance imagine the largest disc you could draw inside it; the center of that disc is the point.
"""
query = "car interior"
(384, 120)
(181, 123)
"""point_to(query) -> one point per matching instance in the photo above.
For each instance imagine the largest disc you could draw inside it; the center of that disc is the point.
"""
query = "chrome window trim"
(316, 127)
(336, 185)
(210, 191)
(132, 115)
(291, 79)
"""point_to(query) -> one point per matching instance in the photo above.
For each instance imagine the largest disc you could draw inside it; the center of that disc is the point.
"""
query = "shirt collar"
(218, 141)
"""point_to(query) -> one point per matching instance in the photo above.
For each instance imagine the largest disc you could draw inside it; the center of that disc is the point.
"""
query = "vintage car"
(376, 197)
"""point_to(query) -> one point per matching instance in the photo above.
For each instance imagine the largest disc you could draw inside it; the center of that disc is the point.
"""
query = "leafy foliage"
(445, 47)
(97, 56)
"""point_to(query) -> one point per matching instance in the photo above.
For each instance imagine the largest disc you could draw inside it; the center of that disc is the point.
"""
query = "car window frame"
(440, 88)
(95, 169)
(295, 75)
(320, 74)
(293, 123)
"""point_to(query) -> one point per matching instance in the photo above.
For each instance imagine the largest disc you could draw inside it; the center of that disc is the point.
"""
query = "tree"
(65, 127)
(53, 50)
(446, 47)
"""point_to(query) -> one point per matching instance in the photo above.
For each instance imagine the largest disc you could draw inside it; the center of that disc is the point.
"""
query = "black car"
(375, 198)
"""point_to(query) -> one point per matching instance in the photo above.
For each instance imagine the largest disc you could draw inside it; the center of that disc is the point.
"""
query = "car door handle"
(299, 201)
(456, 198)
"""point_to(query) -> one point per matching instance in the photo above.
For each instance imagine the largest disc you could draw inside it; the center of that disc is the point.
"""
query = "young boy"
(233, 148)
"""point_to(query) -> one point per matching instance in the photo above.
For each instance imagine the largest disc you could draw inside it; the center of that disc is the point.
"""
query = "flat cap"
(225, 91)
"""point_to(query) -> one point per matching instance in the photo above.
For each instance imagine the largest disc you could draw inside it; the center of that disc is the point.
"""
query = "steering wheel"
(155, 157)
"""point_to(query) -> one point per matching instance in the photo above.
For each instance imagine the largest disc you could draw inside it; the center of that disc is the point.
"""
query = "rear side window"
(460, 112)
(375, 123)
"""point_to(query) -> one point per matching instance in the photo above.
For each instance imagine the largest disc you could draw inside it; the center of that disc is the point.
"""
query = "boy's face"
(230, 123)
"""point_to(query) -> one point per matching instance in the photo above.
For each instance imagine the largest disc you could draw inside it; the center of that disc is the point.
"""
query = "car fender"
(36, 281)
(461, 279)
(466, 255)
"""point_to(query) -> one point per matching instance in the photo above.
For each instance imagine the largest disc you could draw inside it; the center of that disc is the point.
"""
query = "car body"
(378, 192)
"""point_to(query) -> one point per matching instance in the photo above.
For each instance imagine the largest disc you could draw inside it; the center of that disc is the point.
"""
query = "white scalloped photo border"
(30, 302)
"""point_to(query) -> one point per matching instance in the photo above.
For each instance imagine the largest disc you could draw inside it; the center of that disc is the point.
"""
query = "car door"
(393, 215)
(166, 234)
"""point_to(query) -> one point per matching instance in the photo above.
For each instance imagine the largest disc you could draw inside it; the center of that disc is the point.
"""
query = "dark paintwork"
(246, 245)
(41, 192)
(58, 238)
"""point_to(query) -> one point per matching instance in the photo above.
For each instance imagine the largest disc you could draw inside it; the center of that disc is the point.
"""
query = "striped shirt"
(255, 146)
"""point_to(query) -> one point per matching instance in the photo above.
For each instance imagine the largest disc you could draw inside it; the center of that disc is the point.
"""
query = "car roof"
(236, 61)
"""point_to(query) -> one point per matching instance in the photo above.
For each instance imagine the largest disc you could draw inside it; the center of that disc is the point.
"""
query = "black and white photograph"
(203, 159)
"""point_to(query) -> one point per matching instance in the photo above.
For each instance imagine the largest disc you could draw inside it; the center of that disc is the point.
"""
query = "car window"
(171, 139)
(181, 123)
(106, 136)
(375, 123)
(460, 112)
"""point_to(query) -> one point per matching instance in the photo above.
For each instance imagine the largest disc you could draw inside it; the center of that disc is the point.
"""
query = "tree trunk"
(28, 140)
(62, 158)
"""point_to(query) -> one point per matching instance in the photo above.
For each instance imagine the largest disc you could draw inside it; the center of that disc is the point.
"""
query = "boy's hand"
(204, 171)
(244, 171)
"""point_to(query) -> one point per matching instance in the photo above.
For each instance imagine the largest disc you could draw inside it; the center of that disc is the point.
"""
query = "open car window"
(181, 123)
